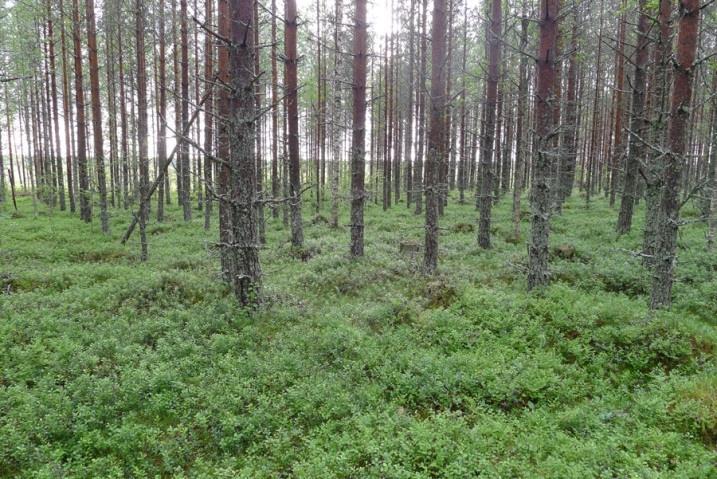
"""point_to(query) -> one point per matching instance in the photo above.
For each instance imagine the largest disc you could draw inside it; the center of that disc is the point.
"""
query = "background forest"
(446, 238)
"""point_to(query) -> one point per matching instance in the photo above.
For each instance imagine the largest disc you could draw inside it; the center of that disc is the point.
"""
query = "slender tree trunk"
(275, 186)
(463, 163)
(570, 128)
(538, 274)
(85, 205)
(336, 116)
(123, 117)
(66, 107)
(712, 215)
(485, 196)
(418, 172)
(687, 39)
(55, 110)
(637, 123)
(185, 175)
(209, 115)
(142, 126)
(436, 141)
(521, 113)
(358, 152)
(290, 27)
(618, 152)
(593, 153)
(654, 171)
(162, 135)
(97, 135)
(408, 147)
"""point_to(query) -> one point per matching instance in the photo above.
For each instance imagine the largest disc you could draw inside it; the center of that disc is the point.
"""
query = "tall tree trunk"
(436, 143)
(712, 215)
(358, 151)
(142, 126)
(596, 127)
(336, 116)
(66, 108)
(618, 152)
(123, 116)
(408, 147)
(463, 163)
(290, 27)
(55, 110)
(246, 273)
(184, 149)
(485, 196)
(683, 72)
(162, 135)
(85, 205)
(637, 123)
(259, 168)
(570, 130)
(275, 186)
(96, 113)
(538, 274)
(654, 170)
(418, 171)
(209, 115)
(521, 114)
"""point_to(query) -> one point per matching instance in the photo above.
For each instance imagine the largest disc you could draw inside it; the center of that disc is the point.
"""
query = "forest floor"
(110, 367)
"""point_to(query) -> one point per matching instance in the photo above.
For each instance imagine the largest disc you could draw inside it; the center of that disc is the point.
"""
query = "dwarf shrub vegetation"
(114, 368)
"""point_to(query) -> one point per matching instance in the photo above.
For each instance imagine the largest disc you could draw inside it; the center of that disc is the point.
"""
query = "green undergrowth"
(110, 367)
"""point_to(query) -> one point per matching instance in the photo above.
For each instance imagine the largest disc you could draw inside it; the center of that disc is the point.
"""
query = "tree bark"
(418, 171)
(637, 124)
(142, 126)
(246, 275)
(485, 196)
(185, 175)
(436, 141)
(275, 186)
(291, 24)
(96, 114)
(209, 114)
(683, 72)
(85, 205)
(654, 170)
(336, 121)
(162, 135)
(358, 151)
(538, 274)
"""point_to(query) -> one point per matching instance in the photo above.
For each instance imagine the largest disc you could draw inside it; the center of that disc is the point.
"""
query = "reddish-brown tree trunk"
(618, 152)
(538, 274)
(687, 39)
